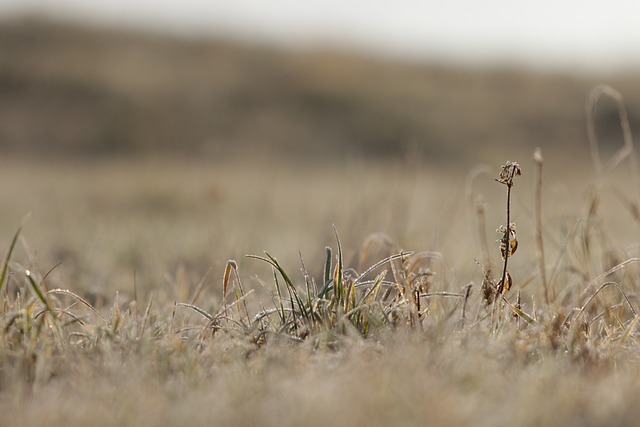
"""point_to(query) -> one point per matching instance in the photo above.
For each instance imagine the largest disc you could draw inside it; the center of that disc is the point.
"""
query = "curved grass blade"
(293, 292)
(196, 309)
(384, 261)
(78, 298)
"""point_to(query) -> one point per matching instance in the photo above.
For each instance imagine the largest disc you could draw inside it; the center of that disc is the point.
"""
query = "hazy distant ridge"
(72, 90)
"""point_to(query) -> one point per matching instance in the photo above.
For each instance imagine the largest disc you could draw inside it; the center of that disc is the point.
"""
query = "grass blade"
(7, 258)
(38, 291)
(337, 290)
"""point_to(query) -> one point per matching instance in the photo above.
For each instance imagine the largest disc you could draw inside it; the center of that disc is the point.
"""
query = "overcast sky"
(578, 35)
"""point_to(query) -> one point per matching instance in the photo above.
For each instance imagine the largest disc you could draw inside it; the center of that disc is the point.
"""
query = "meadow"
(161, 287)
(135, 316)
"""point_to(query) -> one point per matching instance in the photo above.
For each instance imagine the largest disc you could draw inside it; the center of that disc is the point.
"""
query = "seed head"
(509, 171)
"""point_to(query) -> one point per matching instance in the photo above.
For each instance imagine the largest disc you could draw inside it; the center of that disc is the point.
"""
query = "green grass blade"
(338, 291)
(519, 312)
(283, 317)
(288, 282)
(7, 258)
(293, 292)
(327, 267)
(38, 291)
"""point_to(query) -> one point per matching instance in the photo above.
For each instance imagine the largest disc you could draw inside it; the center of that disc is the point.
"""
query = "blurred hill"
(74, 91)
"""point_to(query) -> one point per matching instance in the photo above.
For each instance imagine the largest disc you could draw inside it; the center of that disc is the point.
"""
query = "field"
(150, 300)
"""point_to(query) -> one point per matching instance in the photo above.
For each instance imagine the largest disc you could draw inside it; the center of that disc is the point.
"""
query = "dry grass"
(173, 347)
(128, 298)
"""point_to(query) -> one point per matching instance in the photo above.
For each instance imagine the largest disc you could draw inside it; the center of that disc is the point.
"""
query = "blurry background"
(374, 79)
(152, 138)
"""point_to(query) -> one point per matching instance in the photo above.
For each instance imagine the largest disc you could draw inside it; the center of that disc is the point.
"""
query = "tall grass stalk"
(538, 160)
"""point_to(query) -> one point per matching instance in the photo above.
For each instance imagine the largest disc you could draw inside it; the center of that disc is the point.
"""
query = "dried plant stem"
(505, 238)
(537, 157)
(508, 246)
